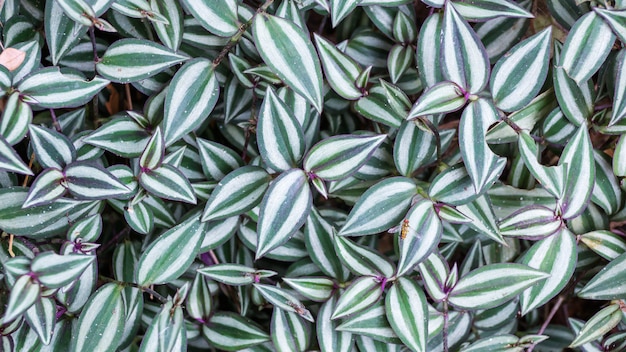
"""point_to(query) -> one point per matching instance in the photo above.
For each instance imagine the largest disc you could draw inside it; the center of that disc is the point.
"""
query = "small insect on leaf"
(405, 228)
(299, 308)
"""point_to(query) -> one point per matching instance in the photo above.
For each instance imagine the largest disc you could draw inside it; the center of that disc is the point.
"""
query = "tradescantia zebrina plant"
(332, 175)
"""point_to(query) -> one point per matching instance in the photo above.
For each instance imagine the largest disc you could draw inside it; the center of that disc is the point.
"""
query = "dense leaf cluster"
(334, 175)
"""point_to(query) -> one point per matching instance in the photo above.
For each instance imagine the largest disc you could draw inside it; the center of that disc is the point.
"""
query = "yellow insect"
(298, 308)
(404, 230)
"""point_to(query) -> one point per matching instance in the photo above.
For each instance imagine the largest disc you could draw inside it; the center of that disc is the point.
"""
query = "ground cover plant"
(333, 175)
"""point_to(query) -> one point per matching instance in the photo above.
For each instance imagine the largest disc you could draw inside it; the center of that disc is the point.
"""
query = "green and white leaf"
(372, 323)
(51, 148)
(218, 17)
(341, 70)
(607, 284)
(45, 188)
(288, 51)
(604, 243)
(55, 271)
(601, 323)
(90, 181)
(407, 312)
(24, 293)
(581, 173)
(170, 254)
(121, 136)
(284, 209)
(443, 97)
(234, 274)
(328, 337)
(317, 289)
(318, 234)
(519, 75)
(483, 10)
(168, 182)
(531, 222)
(232, 332)
(362, 260)
(491, 285)
(16, 117)
(217, 160)
(361, 294)
(289, 331)
(552, 178)
(284, 300)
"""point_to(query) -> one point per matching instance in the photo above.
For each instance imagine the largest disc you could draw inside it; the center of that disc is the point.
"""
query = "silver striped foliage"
(606, 190)
(338, 157)
(552, 178)
(608, 283)
(428, 60)
(481, 163)
(601, 323)
(318, 234)
(165, 330)
(55, 271)
(483, 10)
(170, 254)
(284, 209)
(380, 207)
(581, 173)
(556, 255)
(284, 300)
(328, 337)
(238, 192)
(121, 135)
(232, 332)
(41, 317)
(170, 33)
(519, 75)
(153, 153)
(89, 181)
(531, 222)
(16, 118)
(101, 324)
(362, 260)
(407, 312)
(131, 60)
(289, 331)
(491, 285)
(288, 51)
(442, 97)
(372, 323)
(463, 56)
(340, 70)
(317, 289)
(167, 182)
(279, 134)
(421, 237)
(217, 160)
(605, 243)
(45, 188)
(25, 291)
(361, 294)
(587, 46)
(218, 17)
(234, 274)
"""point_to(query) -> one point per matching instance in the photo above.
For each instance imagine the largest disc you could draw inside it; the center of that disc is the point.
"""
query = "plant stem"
(92, 35)
(237, 36)
(147, 290)
(551, 315)
(55, 122)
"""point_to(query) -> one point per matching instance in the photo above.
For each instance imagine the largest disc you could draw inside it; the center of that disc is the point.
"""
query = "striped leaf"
(164, 329)
(340, 156)
(576, 100)
(168, 182)
(125, 258)
(380, 207)
(581, 174)
(154, 151)
(375, 106)
(552, 178)
(587, 46)
(218, 17)
(289, 331)
(483, 10)
(463, 56)
(138, 9)
(361, 294)
(413, 148)
(318, 234)
(604, 243)
(608, 283)
(619, 106)
(284, 300)
(328, 337)
(428, 59)
(170, 33)
(501, 33)
(340, 9)
(400, 59)
(131, 60)
(24, 293)
(405, 305)
(234, 274)
(284, 210)
(453, 186)
(51, 148)
(503, 343)
(199, 302)
(232, 332)
(38, 221)
(362, 260)
(78, 10)
(443, 97)
(41, 317)
(121, 136)
(317, 289)
(54, 271)
(279, 135)
(218, 232)
(556, 255)
(89, 181)
(520, 74)
(139, 217)
(420, 234)
(49, 88)
(616, 18)
(101, 323)
(217, 160)
(192, 95)
(45, 188)
(170, 254)
(238, 192)
(16, 117)
(341, 71)
(10, 161)
(482, 164)
(606, 191)
(491, 285)
(372, 323)
(87, 229)
(532, 222)
(288, 51)
(481, 212)
(601, 323)
(62, 32)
